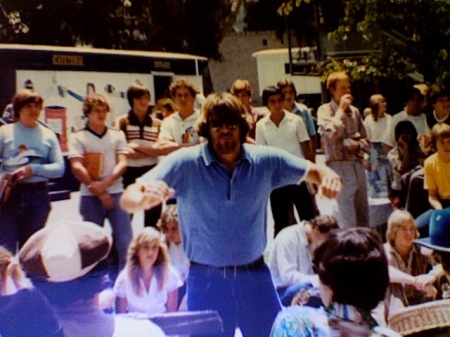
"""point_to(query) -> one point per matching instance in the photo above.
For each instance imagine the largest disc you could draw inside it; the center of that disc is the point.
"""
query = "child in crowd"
(437, 175)
(169, 225)
(407, 257)
(148, 284)
(404, 158)
(377, 123)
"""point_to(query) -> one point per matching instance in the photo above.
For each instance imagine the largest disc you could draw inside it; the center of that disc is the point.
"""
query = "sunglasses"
(219, 126)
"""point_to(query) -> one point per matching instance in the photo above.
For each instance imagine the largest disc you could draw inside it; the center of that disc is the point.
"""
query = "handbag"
(7, 182)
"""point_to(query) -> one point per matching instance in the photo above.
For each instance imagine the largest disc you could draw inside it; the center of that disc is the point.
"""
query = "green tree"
(192, 26)
(410, 36)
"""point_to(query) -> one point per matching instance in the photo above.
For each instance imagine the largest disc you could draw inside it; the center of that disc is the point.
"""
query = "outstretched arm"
(329, 182)
(138, 197)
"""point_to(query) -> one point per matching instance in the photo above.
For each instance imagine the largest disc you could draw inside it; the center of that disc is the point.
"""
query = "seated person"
(353, 276)
(405, 256)
(148, 283)
(24, 311)
(64, 261)
(290, 256)
(437, 175)
(405, 158)
(169, 225)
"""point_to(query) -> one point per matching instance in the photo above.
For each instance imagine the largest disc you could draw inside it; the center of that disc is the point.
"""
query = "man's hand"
(421, 282)
(351, 145)
(329, 182)
(97, 187)
(23, 173)
(139, 197)
(345, 102)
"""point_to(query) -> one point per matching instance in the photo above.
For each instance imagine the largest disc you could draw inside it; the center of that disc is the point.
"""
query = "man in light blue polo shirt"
(222, 188)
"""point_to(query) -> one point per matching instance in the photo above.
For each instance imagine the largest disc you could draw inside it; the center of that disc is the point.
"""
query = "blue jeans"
(91, 209)
(287, 294)
(25, 213)
(244, 297)
(424, 219)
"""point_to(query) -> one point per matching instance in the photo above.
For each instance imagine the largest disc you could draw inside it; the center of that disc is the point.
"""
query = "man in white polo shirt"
(287, 131)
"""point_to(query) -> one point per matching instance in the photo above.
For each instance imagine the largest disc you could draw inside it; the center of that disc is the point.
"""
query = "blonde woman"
(148, 283)
(407, 257)
(378, 123)
(24, 311)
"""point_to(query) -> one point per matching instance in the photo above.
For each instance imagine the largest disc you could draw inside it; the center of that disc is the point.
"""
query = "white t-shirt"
(178, 259)
(152, 300)
(376, 130)
(419, 122)
(175, 128)
(287, 136)
(103, 149)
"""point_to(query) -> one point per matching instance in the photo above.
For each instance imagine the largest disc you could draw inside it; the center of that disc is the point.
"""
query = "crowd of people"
(204, 179)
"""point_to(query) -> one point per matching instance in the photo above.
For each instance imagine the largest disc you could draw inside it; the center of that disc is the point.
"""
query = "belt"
(254, 265)
(32, 186)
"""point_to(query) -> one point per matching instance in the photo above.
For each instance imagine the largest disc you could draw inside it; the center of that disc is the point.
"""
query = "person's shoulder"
(324, 108)
(297, 320)
(399, 116)
(431, 160)
(7, 128)
(122, 118)
(263, 119)
(115, 132)
(156, 121)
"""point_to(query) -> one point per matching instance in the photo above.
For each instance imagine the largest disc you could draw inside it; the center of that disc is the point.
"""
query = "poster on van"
(64, 91)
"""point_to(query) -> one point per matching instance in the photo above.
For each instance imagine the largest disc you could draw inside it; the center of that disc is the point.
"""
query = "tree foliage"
(410, 36)
(190, 26)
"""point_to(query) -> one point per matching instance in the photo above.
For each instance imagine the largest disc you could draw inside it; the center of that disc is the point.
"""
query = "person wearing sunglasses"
(222, 188)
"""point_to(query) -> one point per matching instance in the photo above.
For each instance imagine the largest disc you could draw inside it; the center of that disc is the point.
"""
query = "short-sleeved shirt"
(222, 216)
(437, 176)
(180, 130)
(303, 111)
(140, 133)
(106, 147)
(376, 130)
(419, 122)
(287, 135)
(151, 300)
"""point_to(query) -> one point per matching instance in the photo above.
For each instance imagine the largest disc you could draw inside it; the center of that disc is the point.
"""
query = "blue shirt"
(37, 147)
(222, 217)
(303, 111)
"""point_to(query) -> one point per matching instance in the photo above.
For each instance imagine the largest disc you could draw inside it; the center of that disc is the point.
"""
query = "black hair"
(136, 91)
(353, 264)
(286, 83)
(269, 92)
(435, 92)
(410, 92)
(324, 223)
(405, 127)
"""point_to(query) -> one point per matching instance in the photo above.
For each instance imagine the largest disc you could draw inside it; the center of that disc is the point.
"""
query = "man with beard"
(222, 188)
